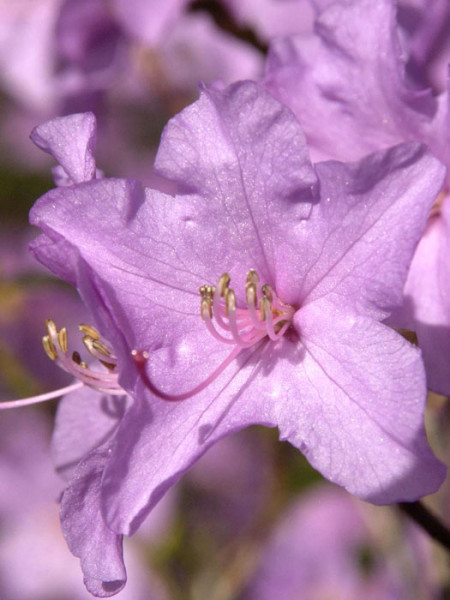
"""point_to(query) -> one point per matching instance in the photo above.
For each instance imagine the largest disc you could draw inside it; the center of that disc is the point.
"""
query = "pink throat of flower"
(263, 316)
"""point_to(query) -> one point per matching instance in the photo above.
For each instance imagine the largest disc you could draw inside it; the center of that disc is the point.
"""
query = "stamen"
(49, 347)
(267, 292)
(245, 326)
(89, 331)
(62, 339)
(56, 347)
(265, 302)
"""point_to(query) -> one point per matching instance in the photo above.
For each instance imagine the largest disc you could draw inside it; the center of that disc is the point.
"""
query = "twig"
(429, 522)
(225, 21)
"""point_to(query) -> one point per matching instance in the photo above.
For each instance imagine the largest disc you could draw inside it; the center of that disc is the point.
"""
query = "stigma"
(264, 316)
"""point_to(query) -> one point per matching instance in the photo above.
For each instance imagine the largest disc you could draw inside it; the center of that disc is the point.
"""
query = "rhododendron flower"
(346, 84)
(31, 539)
(329, 545)
(296, 265)
(424, 32)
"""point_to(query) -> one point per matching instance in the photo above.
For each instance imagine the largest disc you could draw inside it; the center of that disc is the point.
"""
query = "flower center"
(264, 315)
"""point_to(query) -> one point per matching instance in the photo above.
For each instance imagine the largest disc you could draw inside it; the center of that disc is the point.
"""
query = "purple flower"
(424, 31)
(329, 545)
(346, 84)
(272, 18)
(317, 256)
(148, 20)
(26, 300)
(214, 55)
(35, 563)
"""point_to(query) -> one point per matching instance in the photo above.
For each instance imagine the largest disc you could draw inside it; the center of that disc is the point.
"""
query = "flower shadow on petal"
(376, 167)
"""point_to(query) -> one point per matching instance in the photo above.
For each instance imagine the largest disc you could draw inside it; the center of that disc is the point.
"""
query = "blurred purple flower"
(196, 50)
(346, 84)
(148, 20)
(273, 18)
(229, 493)
(329, 545)
(424, 27)
(305, 352)
(34, 561)
(27, 297)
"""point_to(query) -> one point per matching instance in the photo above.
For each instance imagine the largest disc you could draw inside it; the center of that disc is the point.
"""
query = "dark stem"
(225, 21)
(431, 524)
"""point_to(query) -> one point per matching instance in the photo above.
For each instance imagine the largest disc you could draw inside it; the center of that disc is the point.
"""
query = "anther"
(51, 328)
(252, 277)
(89, 331)
(62, 339)
(76, 357)
(250, 294)
(93, 345)
(267, 292)
(223, 283)
(100, 347)
(49, 348)
(264, 307)
(230, 301)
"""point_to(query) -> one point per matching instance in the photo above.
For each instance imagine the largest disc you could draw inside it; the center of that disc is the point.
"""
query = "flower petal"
(246, 156)
(84, 421)
(350, 396)
(362, 389)
(71, 141)
(158, 441)
(346, 83)
(428, 291)
(86, 533)
(360, 238)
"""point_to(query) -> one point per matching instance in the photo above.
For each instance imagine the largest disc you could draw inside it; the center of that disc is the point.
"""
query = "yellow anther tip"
(62, 339)
(49, 348)
(90, 331)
